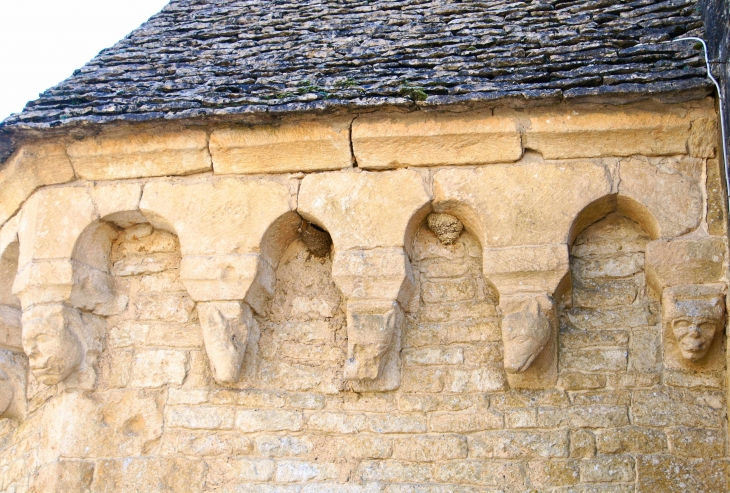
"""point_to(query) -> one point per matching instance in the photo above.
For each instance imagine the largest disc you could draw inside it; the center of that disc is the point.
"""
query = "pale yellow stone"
(685, 261)
(289, 147)
(112, 199)
(576, 133)
(215, 216)
(363, 209)
(52, 221)
(525, 204)
(218, 277)
(382, 273)
(44, 281)
(140, 154)
(435, 139)
(31, 167)
(672, 200)
(526, 268)
(703, 140)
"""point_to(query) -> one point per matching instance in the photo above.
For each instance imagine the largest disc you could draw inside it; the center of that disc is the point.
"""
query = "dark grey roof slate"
(230, 57)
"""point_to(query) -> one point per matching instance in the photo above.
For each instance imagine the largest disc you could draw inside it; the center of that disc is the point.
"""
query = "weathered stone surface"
(527, 204)
(225, 329)
(716, 198)
(703, 140)
(301, 146)
(673, 200)
(417, 139)
(700, 261)
(675, 474)
(31, 167)
(365, 209)
(137, 154)
(590, 133)
(526, 269)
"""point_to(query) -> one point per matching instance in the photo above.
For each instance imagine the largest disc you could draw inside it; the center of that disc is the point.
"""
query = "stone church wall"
(525, 301)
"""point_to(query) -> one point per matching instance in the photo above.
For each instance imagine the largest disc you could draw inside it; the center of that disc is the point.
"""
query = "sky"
(43, 41)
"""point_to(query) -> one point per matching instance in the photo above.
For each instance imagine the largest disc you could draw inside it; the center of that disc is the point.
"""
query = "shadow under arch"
(626, 206)
(278, 236)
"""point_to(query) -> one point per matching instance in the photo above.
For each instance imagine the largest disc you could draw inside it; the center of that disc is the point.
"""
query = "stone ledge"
(140, 154)
(395, 141)
(290, 147)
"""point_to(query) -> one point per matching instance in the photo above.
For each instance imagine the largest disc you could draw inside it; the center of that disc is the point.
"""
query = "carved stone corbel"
(376, 284)
(226, 326)
(61, 341)
(527, 279)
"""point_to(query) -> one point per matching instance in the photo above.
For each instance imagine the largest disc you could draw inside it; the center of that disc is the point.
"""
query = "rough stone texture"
(151, 154)
(434, 140)
(210, 59)
(309, 146)
(268, 404)
(28, 169)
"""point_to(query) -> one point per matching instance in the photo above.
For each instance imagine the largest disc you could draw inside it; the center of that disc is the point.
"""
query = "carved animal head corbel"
(371, 329)
(526, 330)
(225, 325)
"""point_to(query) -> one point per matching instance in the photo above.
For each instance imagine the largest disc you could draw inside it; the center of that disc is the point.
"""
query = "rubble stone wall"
(182, 333)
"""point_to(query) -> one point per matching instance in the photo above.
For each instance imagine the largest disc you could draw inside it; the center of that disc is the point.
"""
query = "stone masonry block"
(526, 204)
(135, 155)
(218, 277)
(680, 261)
(526, 268)
(215, 216)
(364, 209)
(590, 133)
(284, 148)
(31, 167)
(673, 200)
(418, 139)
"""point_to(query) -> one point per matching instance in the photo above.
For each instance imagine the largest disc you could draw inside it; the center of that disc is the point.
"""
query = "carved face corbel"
(52, 341)
(370, 332)
(225, 326)
(695, 313)
(526, 330)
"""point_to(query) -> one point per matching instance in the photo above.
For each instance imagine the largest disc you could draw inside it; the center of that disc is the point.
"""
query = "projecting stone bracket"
(375, 283)
(687, 274)
(226, 326)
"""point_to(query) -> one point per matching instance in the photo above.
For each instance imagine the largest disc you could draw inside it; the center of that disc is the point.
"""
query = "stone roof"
(203, 58)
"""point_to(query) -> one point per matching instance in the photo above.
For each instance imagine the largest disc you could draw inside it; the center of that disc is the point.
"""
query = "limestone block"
(10, 327)
(703, 139)
(290, 147)
(8, 269)
(52, 221)
(215, 216)
(674, 200)
(371, 328)
(381, 273)
(418, 139)
(693, 317)
(114, 198)
(716, 198)
(158, 367)
(517, 269)
(118, 423)
(526, 204)
(225, 329)
(31, 167)
(529, 336)
(218, 277)
(684, 261)
(13, 369)
(54, 341)
(135, 155)
(364, 209)
(576, 133)
(92, 290)
(44, 281)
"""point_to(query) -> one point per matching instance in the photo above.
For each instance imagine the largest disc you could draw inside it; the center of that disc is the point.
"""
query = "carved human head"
(525, 333)
(695, 313)
(52, 342)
